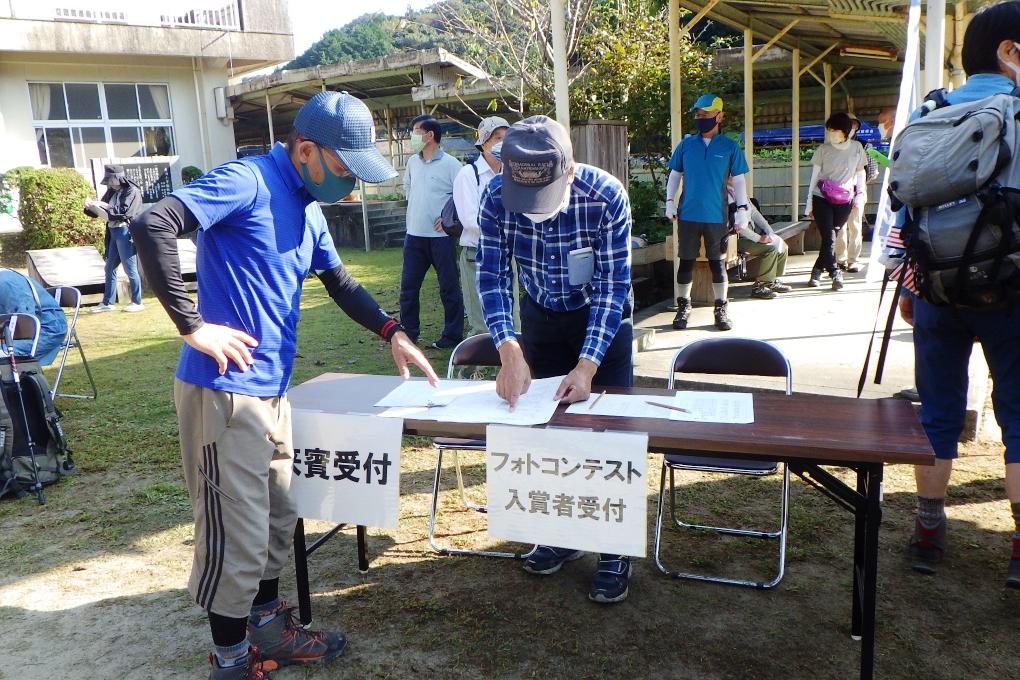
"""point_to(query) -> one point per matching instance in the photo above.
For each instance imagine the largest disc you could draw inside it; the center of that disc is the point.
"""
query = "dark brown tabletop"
(799, 427)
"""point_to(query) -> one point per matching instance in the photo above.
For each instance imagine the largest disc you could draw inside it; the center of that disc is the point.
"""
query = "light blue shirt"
(706, 167)
(428, 185)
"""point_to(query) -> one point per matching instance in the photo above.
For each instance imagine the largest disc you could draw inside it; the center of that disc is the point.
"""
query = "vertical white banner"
(347, 468)
(568, 488)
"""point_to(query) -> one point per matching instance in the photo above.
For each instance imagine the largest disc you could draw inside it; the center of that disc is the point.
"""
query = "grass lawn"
(95, 578)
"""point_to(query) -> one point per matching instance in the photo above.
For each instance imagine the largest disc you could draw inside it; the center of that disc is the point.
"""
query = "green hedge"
(50, 209)
(189, 174)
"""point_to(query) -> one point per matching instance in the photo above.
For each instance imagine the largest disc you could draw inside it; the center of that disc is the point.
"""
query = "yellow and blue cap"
(708, 102)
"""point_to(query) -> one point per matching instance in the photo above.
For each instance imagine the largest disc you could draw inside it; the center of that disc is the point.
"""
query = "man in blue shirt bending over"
(567, 225)
(704, 162)
(260, 233)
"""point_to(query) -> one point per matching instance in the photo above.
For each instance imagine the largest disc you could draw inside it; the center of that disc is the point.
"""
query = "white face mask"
(1013, 67)
(497, 150)
(883, 131)
(835, 138)
(536, 217)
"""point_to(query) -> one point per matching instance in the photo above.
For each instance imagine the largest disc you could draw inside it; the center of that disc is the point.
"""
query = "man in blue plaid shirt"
(568, 227)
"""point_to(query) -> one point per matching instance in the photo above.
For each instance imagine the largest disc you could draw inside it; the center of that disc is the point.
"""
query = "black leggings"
(830, 219)
(685, 272)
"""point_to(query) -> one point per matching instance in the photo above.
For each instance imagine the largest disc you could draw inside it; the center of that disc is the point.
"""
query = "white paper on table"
(622, 405)
(536, 407)
(421, 393)
(713, 407)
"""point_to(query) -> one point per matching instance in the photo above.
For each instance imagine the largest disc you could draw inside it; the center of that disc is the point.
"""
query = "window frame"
(105, 122)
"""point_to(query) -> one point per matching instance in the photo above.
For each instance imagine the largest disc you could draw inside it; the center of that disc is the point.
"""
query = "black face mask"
(705, 125)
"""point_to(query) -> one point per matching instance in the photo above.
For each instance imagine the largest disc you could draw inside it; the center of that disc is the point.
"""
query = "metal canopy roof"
(817, 27)
(395, 88)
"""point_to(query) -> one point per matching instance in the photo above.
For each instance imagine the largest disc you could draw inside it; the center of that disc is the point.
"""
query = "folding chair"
(18, 327)
(477, 351)
(69, 299)
(725, 356)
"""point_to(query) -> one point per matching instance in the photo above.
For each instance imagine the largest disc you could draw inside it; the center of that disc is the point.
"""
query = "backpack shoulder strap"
(936, 99)
(477, 177)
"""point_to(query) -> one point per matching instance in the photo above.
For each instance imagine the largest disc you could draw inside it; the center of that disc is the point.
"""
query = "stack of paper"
(470, 401)
(701, 407)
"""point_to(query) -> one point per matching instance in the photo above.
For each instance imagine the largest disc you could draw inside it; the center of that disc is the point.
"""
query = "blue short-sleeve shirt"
(261, 235)
(706, 169)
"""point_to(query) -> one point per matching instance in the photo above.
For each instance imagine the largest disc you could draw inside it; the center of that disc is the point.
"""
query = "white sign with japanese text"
(347, 468)
(568, 488)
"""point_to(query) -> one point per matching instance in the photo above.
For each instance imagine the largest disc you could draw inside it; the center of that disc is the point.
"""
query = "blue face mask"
(332, 188)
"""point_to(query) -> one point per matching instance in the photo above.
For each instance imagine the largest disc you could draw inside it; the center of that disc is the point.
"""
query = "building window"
(77, 121)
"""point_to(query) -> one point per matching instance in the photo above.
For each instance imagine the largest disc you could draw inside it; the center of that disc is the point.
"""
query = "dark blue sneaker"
(547, 560)
(611, 580)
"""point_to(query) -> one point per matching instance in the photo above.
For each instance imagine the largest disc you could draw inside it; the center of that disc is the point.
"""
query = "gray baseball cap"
(537, 155)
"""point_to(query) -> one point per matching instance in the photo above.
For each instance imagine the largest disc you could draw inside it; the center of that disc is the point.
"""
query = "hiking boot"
(254, 669)
(780, 287)
(1013, 576)
(722, 316)
(611, 580)
(288, 643)
(545, 560)
(444, 343)
(837, 280)
(927, 547)
(683, 313)
(908, 393)
(762, 290)
(816, 278)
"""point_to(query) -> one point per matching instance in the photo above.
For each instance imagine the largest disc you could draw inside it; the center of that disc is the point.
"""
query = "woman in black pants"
(837, 181)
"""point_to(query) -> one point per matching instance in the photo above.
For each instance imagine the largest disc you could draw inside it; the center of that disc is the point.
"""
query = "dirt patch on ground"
(120, 610)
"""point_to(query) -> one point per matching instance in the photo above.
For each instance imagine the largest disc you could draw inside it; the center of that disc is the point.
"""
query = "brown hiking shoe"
(255, 669)
(927, 547)
(288, 643)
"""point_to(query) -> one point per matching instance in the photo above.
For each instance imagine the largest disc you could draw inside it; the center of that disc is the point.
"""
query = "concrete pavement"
(823, 333)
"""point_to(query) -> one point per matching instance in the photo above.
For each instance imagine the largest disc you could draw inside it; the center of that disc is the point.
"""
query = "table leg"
(362, 551)
(860, 521)
(301, 573)
(869, 587)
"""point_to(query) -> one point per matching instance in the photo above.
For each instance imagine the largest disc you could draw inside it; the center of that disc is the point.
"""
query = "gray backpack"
(957, 169)
(52, 457)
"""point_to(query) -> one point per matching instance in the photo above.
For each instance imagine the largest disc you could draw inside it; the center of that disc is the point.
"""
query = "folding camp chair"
(69, 298)
(476, 351)
(725, 356)
(18, 327)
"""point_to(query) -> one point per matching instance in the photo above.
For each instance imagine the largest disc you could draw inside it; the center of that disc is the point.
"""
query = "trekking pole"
(37, 486)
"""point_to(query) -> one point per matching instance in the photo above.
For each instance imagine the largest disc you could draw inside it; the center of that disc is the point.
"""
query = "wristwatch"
(742, 207)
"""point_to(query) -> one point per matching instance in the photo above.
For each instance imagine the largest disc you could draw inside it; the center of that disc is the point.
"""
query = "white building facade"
(83, 80)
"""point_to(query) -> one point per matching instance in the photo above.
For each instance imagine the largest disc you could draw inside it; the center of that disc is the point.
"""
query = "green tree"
(627, 75)
(367, 37)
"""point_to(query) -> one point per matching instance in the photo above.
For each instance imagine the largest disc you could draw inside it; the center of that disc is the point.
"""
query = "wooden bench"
(85, 269)
(793, 233)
